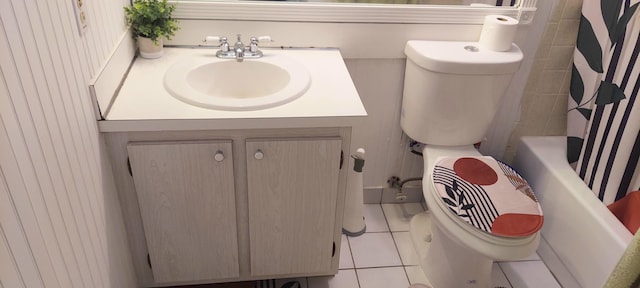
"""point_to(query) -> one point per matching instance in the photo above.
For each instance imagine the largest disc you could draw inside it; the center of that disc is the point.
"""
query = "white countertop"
(143, 104)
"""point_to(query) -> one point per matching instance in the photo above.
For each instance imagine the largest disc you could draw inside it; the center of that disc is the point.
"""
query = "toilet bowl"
(459, 254)
(479, 210)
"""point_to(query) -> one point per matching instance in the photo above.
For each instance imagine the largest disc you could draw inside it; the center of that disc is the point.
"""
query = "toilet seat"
(487, 195)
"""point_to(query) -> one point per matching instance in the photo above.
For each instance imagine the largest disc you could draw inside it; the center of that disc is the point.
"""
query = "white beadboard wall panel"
(81, 134)
(52, 153)
(91, 29)
(95, 13)
(98, 37)
(64, 141)
(9, 274)
(13, 240)
(20, 84)
(36, 104)
(44, 118)
(16, 185)
(73, 47)
(93, 212)
(34, 275)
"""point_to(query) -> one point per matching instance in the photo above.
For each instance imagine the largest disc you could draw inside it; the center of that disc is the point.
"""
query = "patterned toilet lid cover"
(489, 195)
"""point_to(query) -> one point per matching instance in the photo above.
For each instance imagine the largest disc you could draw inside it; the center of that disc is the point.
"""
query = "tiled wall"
(544, 105)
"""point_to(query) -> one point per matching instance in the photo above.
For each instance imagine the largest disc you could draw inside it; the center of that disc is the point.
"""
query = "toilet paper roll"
(498, 32)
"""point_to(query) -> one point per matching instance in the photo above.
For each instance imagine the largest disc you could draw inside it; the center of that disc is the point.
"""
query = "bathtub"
(581, 240)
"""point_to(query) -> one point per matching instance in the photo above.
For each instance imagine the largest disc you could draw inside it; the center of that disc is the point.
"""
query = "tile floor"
(384, 258)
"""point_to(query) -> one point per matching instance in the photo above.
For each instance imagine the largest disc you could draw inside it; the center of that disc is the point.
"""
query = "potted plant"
(150, 22)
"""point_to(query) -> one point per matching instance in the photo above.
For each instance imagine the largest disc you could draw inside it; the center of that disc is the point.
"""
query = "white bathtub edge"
(542, 161)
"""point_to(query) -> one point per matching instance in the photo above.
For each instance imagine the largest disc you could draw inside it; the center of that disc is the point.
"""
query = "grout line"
(406, 275)
(389, 266)
(505, 275)
(386, 221)
(382, 232)
(523, 260)
(353, 261)
(357, 277)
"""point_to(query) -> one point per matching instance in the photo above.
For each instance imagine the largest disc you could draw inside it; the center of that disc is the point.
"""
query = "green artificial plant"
(151, 19)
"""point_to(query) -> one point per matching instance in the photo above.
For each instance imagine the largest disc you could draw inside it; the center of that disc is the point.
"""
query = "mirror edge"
(344, 12)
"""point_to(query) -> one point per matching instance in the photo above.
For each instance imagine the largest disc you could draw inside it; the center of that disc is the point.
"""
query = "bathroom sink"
(223, 84)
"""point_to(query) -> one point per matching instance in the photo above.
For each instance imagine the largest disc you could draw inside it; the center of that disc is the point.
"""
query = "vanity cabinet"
(187, 203)
(272, 207)
(292, 204)
(231, 205)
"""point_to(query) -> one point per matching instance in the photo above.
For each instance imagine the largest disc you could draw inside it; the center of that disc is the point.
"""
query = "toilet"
(479, 209)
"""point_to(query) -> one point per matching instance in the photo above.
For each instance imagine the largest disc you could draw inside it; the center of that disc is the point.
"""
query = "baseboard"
(372, 195)
(377, 195)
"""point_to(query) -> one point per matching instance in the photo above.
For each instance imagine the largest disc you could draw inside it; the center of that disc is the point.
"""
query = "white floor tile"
(374, 250)
(346, 262)
(416, 275)
(389, 277)
(344, 279)
(524, 274)
(399, 215)
(498, 279)
(404, 244)
(374, 218)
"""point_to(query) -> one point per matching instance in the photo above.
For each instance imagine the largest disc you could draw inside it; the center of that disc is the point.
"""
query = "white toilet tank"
(452, 90)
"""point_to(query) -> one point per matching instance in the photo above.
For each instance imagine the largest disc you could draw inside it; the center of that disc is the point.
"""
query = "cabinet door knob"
(219, 156)
(259, 155)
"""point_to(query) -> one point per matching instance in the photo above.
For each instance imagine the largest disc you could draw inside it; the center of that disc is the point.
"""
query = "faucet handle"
(264, 38)
(222, 42)
(254, 42)
(213, 39)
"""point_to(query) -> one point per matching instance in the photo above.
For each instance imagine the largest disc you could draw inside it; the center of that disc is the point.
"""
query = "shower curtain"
(603, 121)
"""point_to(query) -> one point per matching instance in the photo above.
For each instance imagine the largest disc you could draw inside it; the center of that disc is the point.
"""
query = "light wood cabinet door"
(187, 201)
(292, 191)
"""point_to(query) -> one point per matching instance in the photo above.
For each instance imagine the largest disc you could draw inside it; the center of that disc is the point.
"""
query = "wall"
(60, 220)
(374, 56)
(544, 105)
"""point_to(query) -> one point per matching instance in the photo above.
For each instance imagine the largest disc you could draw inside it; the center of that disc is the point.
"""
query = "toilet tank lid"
(452, 57)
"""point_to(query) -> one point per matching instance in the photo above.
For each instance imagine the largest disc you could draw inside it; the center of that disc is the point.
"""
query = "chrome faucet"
(223, 43)
(239, 51)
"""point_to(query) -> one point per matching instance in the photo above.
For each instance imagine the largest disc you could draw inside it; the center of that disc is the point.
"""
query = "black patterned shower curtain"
(603, 121)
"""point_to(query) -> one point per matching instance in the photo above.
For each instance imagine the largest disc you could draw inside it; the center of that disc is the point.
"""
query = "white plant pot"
(148, 49)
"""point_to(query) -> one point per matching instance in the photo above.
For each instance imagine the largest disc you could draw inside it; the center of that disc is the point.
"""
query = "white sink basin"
(223, 84)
